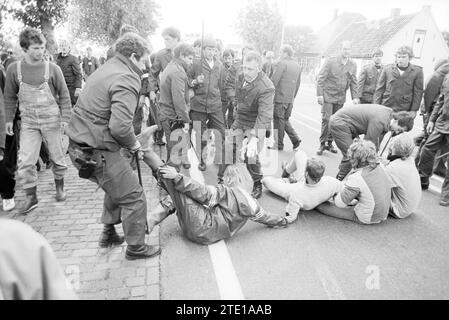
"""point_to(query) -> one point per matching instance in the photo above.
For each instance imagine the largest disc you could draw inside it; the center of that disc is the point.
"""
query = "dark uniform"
(100, 126)
(366, 85)
(334, 79)
(400, 92)
(227, 104)
(206, 106)
(174, 108)
(90, 65)
(372, 120)
(437, 140)
(286, 79)
(72, 73)
(252, 119)
(161, 60)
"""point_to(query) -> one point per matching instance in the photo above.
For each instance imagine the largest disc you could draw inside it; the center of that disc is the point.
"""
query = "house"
(417, 30)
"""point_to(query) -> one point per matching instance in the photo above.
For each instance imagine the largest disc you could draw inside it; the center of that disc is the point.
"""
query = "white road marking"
(227, 281)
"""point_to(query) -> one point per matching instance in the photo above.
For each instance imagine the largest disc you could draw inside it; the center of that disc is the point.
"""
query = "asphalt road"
(317, 257)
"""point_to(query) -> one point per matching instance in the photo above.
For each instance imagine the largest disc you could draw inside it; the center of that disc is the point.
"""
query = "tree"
(41, 14)
(260, 24)
(101, 20)
(299, 37)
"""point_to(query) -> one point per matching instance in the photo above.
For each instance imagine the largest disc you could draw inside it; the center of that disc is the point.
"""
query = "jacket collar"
(181, 63)
(250, 85)
(129, 63)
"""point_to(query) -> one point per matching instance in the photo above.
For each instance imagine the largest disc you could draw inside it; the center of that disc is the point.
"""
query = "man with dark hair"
(90, 64)
(39, 89)
(337, 75)
(254, 92)
(205, 107)
(70, 69)
(307, 189)
(174, 104)
(368, 77)
(286, 79)
(438, 130)
(101, 125)
(172, 37)
(7, 59)
(228, 107)
(123, 29)
(372, 120)
(400, 85)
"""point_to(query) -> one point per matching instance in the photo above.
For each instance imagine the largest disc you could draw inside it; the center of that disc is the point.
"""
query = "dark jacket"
(255, 104)
(103, 115)
(268, 68)
(2, 78)
(286, 79)
(2, 123)
(71, 70)
(335, 78)
(207, 96)
(234, 72)
(224, 75)
(440, 113)
(174, 92)
(433, 87)
(401, 93)
(161, 60)
(90, 65)
(8, 61)
(366, 85)
(372, 120)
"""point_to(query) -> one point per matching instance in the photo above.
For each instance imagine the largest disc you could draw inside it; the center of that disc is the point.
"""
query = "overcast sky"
(220, 15)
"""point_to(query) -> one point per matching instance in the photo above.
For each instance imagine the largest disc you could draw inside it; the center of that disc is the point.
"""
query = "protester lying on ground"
(366, 196)
(305, 191)
(406, 184)
(28, 266)
(206, 213)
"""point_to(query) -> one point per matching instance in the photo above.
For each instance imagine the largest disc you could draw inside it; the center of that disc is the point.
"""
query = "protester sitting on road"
(406, 184)
(29, 269)
(366, 196)
(206, 213)
(308, 190)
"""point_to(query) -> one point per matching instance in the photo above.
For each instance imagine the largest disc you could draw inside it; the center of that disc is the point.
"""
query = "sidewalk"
(73, 228)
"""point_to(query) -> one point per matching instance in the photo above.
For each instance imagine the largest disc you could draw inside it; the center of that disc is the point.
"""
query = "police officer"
(101, 125)
(366, 84)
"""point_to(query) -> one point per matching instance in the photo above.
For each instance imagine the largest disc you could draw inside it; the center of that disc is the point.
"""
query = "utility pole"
(283, 22)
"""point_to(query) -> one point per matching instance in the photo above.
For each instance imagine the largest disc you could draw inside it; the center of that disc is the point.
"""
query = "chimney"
(395, 12)
(335, 14)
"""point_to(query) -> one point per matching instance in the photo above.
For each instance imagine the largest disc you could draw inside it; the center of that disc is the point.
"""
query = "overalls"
(41, 121)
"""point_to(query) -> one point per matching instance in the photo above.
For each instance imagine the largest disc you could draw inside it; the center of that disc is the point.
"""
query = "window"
(418, 43)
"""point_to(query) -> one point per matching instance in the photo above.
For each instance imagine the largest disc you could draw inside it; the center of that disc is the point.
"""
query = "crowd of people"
(104, 115)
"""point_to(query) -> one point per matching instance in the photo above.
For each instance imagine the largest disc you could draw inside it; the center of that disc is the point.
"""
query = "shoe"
(141, 252)
(60, 193)
(186, 166)
(202, 166)
(8, 204)
(257, 190)
(30, 201)
(285, 174)
(444, 203)
(321, 150)
(109, 237)
(331, 148)
(296, 145)
(425, 183)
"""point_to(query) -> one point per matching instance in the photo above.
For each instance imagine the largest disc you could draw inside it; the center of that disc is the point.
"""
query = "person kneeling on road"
(366, 196)
(206, 213)
(308, 189)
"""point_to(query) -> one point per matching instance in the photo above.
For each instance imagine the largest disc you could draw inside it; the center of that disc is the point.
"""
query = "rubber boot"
(60, 193)
(30, 201)
(109, 237)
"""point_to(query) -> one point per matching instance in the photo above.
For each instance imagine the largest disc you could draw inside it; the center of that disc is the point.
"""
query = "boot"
(109, 237)
(30, 201)
(143, 251)
(331, 148)
(60, 193)
(321, 149)
(158, 138)
(257, 190)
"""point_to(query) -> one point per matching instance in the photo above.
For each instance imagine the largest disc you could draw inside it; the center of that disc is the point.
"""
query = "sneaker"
(8, 204)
